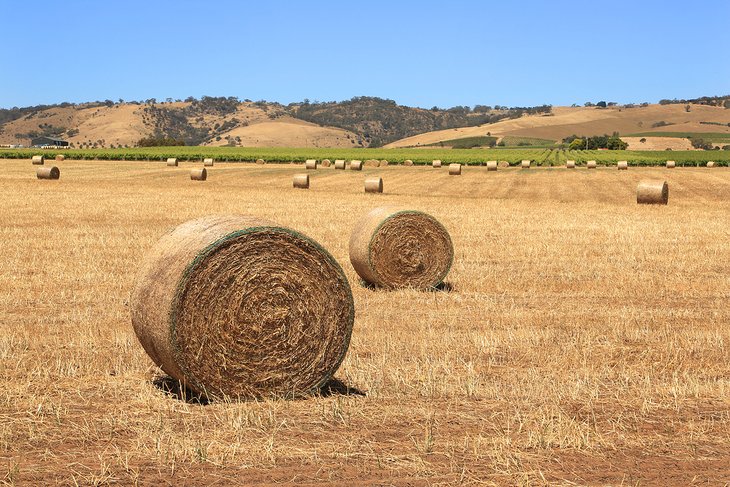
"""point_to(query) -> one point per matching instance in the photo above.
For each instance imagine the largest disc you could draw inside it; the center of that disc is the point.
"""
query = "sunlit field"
(581, 339)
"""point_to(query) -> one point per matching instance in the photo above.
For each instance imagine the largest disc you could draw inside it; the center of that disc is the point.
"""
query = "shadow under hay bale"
(176, 390)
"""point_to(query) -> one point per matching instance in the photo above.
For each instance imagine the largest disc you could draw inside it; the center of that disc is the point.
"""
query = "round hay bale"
(383, 163)
(208, 162)
(240, 307)
(710, 163)
(38, 160)
(340, 164)
(372, 163)
(492, 165)
(326, 163)
(301, 181)
(395, 247)
(591, 164)
(310, 164)
(260, 161)
(503, 164)
(652, 192)
(356, 165)
(172, 161)
(526, 164)
(623, 165)
(48, 172)
(408, 162)
(570, 164)
(199, 174)
(436, 163)
(60, 158)
(454, 169)
(374, 185)
(671, 164)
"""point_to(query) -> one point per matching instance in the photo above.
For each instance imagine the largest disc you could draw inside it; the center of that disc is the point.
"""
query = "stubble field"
(581, 339)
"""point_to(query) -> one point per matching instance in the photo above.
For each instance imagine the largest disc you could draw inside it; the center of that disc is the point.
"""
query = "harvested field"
(579, 338)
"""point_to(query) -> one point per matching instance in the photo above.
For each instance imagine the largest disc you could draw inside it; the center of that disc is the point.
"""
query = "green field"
(517, 141)
(542, 157)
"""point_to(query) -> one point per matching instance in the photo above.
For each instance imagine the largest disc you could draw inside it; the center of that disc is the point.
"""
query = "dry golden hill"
(565, 121)
(288, 132)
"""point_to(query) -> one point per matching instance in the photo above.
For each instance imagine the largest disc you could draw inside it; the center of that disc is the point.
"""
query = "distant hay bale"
(208, 162)
(199, 174)
(240, 307)
(570, 164)
(374, 185)
(408, 162)
(372, 163)
(356, 165)
(326, 163)
(60, 158)
(492, 165)
(383, 163)
(623, 165)
(671, 164)
(454, 169)
(591, 164)
(172, 161)
(260, 161)
(503, 164)
(652, 192)
(48, 172)
(310, 164)
(340, 164)
(710, 163)
(436, 163)
(394, 247)
(38, 160)
(301, 181)
(525, 164)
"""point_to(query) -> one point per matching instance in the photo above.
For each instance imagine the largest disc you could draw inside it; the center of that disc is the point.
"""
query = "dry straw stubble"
(395, 247)
(374, 185)
(48, 172)
(240, 307)
(301, 181)
(652, 192)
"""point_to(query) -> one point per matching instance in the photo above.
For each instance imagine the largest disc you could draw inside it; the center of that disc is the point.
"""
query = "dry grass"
(583, 340)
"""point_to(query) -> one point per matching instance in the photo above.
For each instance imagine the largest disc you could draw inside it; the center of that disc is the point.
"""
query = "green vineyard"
(541, 157)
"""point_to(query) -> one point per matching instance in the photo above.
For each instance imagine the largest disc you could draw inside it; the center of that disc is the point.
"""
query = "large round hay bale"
(374, 185)
(492, 165)
(301, 181)
(172, 161)
(671, 164)
(623, 165)
(591, 164)
(436, 163)
(38, 160)
(408, 162)
(710, 163)
(454, 169)
(394, 247)
(372, 163)
(240, 307)
(340, 164)
(356, 165)
(570, 164)
(652, 192)
(310, 164)
(208, 162)
(525, 164)
(60, 158)
(260, 161)
(48, 172)
(199, 174)
(503, 164)
(383, 163)
(326, 163)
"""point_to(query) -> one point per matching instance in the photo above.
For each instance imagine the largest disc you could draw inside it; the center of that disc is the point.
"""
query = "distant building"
(41, 141)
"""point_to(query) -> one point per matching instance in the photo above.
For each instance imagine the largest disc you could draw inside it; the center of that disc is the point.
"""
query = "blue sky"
(416, 53)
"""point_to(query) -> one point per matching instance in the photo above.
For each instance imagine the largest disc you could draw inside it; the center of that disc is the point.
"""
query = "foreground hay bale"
(591, 164)
(710, 163)
(340, 164)
(60, 158)
(356, 165)
(652, 192)
(374, 185)
(492, 165)
(570, 164)
(408, 162)
(326, 163)
(38, 160)
(172, 161)
(199, 174)
(395, 247)
(208, 162)
(526, 164)
(310, 164)
(671, 164)
(301, 181)
(260, 161)
(49, 172)
(240, 307)
(436, 163)
(623, 165)
(454, 169)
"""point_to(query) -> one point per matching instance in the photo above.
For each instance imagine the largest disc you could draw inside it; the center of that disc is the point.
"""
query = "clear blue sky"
(418, 53)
